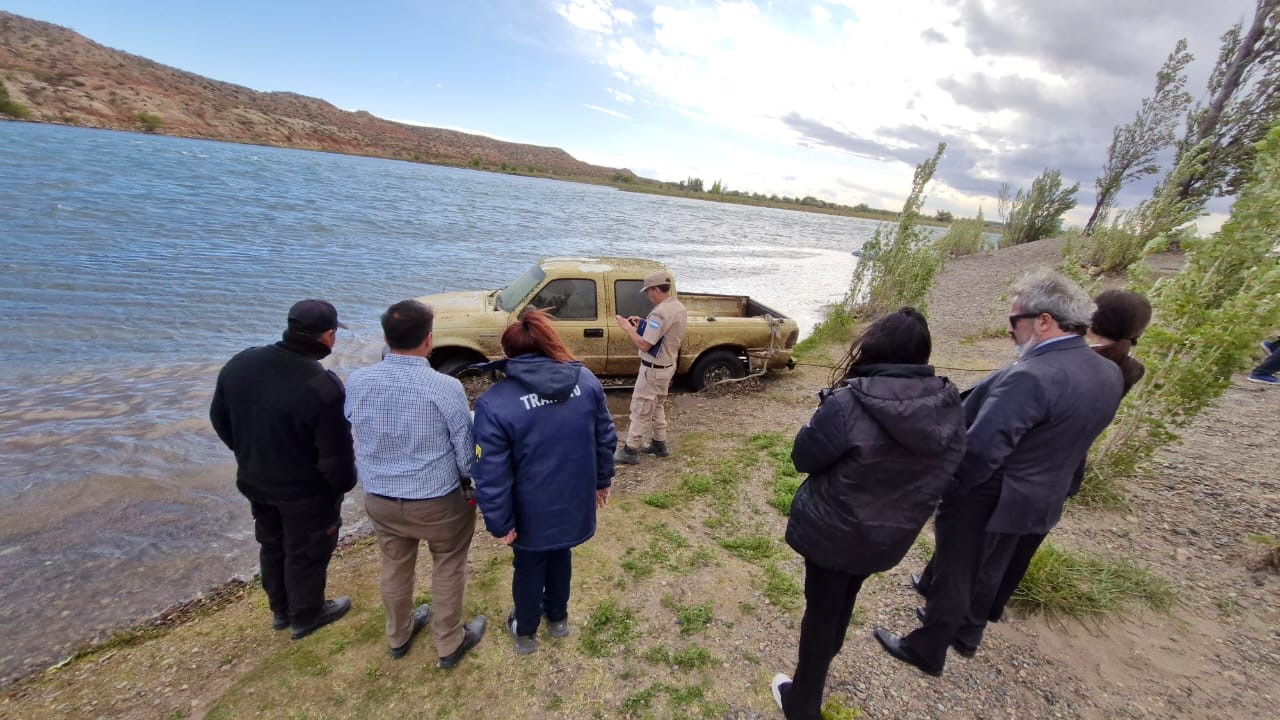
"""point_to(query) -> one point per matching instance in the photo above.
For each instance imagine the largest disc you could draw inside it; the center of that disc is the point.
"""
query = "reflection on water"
(134, 266)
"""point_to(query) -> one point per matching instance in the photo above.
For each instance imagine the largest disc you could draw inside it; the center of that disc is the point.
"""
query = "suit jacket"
(1030, 428)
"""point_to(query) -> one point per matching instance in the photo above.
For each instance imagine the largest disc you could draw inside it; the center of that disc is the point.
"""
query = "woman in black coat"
(880, 451)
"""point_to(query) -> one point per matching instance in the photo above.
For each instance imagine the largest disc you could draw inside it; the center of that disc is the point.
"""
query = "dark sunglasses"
(1013, 319)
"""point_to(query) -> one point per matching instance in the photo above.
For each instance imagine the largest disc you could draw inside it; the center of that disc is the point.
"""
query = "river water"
(132, 266)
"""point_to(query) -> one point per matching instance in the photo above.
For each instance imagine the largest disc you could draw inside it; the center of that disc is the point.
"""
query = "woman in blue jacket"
(544, 463)
(880, 450)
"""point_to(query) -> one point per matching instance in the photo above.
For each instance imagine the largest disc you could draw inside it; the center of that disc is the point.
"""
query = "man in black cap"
(281, 413)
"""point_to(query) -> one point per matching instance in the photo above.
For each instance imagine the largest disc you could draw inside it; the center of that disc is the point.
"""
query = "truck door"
(628, 300)
(574, 305)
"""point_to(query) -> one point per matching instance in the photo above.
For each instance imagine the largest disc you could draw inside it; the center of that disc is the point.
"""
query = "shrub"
(1206, 321)
(964, 237)
(898, 264)
(1037, 213)
(149, 121)
(11, 108)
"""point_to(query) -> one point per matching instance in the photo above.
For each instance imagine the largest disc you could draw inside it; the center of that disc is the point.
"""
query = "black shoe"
(893, 645)
(472, 632)
(421, 615)
(966, 651)
(658, 448)
(332, 610)
(917, 586)
(279, 621)
(626, 456)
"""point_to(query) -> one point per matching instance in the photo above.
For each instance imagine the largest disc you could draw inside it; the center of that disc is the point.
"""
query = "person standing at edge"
(280, 412)
(880, 450)
(544, 464)
(658, 339)
(413, 449)
(1030, 425)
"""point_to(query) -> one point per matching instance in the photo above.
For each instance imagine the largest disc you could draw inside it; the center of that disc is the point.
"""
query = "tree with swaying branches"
(1134, 146)
(1037, 213)
(1243, 101)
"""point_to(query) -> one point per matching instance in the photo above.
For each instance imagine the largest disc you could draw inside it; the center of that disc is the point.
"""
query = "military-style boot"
(658, 448)
(626, 455)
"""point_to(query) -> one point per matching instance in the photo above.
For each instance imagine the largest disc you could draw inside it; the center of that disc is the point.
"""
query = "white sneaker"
(776, 686)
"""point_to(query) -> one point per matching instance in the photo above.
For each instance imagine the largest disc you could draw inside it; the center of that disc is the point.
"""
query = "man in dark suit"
(1030, 426)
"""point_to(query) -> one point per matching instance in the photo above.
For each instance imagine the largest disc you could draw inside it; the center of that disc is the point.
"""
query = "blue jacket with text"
(544, 445)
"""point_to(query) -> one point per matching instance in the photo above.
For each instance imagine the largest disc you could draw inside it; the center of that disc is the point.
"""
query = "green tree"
(1207, 319)
(10, 107)
(1243, 101)
(898, 264)
(1134, 146)
(964, 237)
(150, 122)
(1036, 214)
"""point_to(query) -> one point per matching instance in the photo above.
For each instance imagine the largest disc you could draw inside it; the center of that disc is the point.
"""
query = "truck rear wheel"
(714, 367)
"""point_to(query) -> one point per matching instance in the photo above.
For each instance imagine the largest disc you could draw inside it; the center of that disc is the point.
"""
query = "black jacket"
(280, 411)
(879, 452)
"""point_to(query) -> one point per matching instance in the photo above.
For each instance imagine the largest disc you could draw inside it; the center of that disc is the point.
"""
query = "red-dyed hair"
(533, 333)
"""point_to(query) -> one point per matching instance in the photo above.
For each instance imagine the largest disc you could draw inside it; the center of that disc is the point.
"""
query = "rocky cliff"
(60, 76)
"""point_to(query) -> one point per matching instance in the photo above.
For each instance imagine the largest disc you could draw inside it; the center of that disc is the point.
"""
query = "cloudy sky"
(837, 99)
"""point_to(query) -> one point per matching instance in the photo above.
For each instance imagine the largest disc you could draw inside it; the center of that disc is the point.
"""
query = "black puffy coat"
(880, 451)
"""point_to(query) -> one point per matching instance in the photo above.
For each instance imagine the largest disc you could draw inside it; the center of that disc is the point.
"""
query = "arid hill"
(60, 76)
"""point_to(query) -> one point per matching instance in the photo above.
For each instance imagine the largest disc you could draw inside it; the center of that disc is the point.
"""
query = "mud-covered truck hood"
(459, 307)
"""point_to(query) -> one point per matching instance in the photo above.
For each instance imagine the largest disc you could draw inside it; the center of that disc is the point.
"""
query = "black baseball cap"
(313, 317)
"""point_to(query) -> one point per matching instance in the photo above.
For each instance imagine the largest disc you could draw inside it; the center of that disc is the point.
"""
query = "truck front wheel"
(715, 367)
(456, 365)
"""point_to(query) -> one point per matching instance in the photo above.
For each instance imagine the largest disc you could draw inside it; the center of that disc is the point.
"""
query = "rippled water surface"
(133, 266)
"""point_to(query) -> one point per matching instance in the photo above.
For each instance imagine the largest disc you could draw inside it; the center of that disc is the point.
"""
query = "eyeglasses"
(1013, 319)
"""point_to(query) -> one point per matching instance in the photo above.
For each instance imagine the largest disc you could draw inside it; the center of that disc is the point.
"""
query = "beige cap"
(653, 279)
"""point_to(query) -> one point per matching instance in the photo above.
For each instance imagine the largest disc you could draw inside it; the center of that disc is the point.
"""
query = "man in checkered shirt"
(413, 448)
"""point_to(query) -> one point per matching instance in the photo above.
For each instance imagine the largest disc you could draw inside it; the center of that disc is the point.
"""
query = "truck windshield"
(516, 291)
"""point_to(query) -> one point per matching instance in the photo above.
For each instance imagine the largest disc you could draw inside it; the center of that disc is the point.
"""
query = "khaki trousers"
(446, 524)
(648, 414)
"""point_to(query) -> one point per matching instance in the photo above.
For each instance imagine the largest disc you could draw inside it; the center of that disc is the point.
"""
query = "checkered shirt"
(412, 428)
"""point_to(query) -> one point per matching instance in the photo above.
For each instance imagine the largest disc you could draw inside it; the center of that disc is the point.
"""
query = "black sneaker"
(332, 611)
(421, 615)
(472, 633)
(658, 448)
(279, 621)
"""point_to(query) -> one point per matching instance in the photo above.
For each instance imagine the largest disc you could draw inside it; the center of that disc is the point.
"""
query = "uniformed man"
(658, 338)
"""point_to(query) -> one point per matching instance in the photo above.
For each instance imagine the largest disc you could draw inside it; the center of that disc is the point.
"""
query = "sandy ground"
(1217, 655)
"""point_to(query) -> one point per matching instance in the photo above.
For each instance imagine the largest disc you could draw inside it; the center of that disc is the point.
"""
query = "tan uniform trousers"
(446, 524)
(648, 411)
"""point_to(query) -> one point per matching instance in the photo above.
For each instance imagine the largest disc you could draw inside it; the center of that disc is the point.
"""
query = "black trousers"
(961, 533)
(296, 539)
(1018, 564)
(829, 597)
(540, 586)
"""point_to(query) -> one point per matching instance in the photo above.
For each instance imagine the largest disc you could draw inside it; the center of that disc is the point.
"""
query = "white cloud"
(606, 111)
(864, 79)
(620, 96)
(595, 15)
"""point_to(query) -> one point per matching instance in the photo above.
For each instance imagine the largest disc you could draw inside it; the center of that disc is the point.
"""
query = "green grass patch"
(693, 657)
(780, 587)
(1082, 584)
(836, 709)
(1101, 490)
(786, 479)
(662, 551)
(661, 500)
(609, 628)
(752, 548)
(682, 701)
(692, 618)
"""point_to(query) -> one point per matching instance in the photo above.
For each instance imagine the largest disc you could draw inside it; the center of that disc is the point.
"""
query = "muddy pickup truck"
(728, 336)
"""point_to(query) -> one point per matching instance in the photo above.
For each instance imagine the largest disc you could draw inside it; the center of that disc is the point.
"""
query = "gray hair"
(1045, 291)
